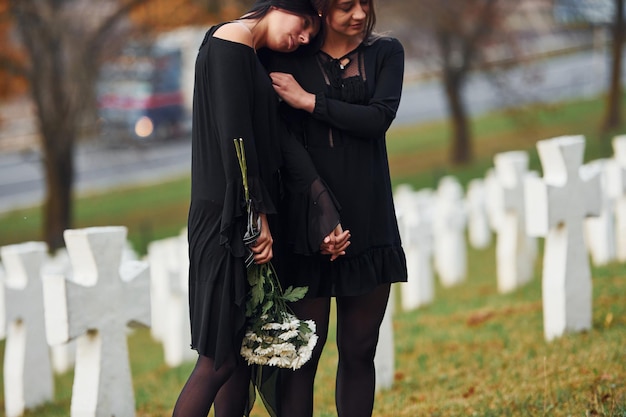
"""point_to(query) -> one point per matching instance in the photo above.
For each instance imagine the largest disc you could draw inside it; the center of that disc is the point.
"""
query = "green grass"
(473, 352)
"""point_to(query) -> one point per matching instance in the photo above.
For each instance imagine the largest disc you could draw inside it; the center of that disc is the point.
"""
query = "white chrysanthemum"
(271, 326)
(261, 351)
(280, 361)
(283, 348)
(254, 337)
(290, 334)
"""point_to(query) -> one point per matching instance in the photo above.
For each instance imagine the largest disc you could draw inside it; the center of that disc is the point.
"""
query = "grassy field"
(473, 352)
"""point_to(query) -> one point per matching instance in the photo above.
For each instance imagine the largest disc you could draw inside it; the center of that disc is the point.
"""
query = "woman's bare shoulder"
(235, 32)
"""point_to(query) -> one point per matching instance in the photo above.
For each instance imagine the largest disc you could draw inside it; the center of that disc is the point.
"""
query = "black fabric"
(233, 98)
(346, 142)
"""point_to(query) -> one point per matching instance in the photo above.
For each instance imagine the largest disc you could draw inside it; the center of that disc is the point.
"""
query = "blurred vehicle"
(140, 96)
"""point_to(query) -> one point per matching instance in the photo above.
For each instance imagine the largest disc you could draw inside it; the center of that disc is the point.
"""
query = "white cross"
(95, 308)
(556, 208)
(515, 251)
(28, 376)
(384, 359)
(600, 231)
(450, 247)
(169, 271)
(478, 229)
(617, 190)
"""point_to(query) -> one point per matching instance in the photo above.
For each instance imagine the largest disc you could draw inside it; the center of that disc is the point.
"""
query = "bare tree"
(63, 43)
(463, 35)
(612, 118)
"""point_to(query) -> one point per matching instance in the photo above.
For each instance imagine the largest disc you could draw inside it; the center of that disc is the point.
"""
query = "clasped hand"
(335, 243)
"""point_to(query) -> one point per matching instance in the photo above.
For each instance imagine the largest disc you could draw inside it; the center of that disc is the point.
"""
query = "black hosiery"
(232, 397)
(200, 390)
(358, 323)
(297, 386)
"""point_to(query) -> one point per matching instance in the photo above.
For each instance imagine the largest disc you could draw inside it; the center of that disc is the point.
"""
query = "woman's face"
(348, 17)
(288, 31)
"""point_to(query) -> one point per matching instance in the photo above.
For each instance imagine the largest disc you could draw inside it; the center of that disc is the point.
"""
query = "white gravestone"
(478, 229)
(416, 230)
(450, 248)
(3, 322)
(556, 207)
(516, 252)
(63, 355)
(169, 278)
(95, 307)
(384, 359)
(177, 342)
(28, 376)
(600, 231)
(494, 205)
(163, 259)
(617, 189)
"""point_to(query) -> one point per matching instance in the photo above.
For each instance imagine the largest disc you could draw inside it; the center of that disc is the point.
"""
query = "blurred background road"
(101, 165)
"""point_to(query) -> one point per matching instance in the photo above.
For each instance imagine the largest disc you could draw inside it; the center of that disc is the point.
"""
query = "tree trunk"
(613, 110)
(59, 168)
(461, 149)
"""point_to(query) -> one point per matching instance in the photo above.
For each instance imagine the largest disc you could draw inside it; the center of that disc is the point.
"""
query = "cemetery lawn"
(472, 352)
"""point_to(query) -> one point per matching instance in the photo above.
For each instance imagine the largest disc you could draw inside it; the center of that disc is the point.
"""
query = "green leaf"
(294, 294)
(267, 306)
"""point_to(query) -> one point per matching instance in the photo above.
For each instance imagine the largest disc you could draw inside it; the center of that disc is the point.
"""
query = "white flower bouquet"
(274, 335)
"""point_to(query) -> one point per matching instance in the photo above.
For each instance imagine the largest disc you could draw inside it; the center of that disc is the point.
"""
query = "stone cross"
(416, 230)
(493, 206)
(384, 359)
(3, 322)
(450, 248)
(173, 264)
(163, 260)
(63, 355)
(617, 190)
(478, 229)
(600, 231)
(28, 376)
(556, 207)
(95, 307)
(515, 250)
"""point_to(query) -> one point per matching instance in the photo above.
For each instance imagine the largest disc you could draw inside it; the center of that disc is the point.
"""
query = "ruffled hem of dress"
(348, 276)
(234, 216)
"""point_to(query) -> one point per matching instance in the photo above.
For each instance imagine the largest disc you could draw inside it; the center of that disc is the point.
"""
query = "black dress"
(234, 98)
(356, 100)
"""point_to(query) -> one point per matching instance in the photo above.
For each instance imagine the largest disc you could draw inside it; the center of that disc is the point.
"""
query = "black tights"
(226, 387)
(358, 322)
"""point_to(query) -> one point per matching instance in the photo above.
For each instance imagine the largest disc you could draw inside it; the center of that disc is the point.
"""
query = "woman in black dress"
(233, 98)
(343, 97)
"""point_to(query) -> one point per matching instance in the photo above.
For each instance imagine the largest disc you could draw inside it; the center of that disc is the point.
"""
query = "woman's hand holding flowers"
(262, 248)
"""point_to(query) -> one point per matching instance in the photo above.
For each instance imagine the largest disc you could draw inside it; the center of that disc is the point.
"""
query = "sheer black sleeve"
(312, 211)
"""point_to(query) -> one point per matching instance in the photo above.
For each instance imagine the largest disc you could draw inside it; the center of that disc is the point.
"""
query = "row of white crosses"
(518, 207)
(93, 303)
(47, 304)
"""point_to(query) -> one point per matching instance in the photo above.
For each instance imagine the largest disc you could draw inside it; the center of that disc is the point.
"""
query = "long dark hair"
(261, 7)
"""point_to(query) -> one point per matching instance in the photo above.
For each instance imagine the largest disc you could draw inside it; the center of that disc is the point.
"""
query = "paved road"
(97, 168)
(101, 167)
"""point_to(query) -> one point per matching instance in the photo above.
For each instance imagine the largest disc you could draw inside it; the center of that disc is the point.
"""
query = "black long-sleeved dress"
(357, 97)
(234, 98)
